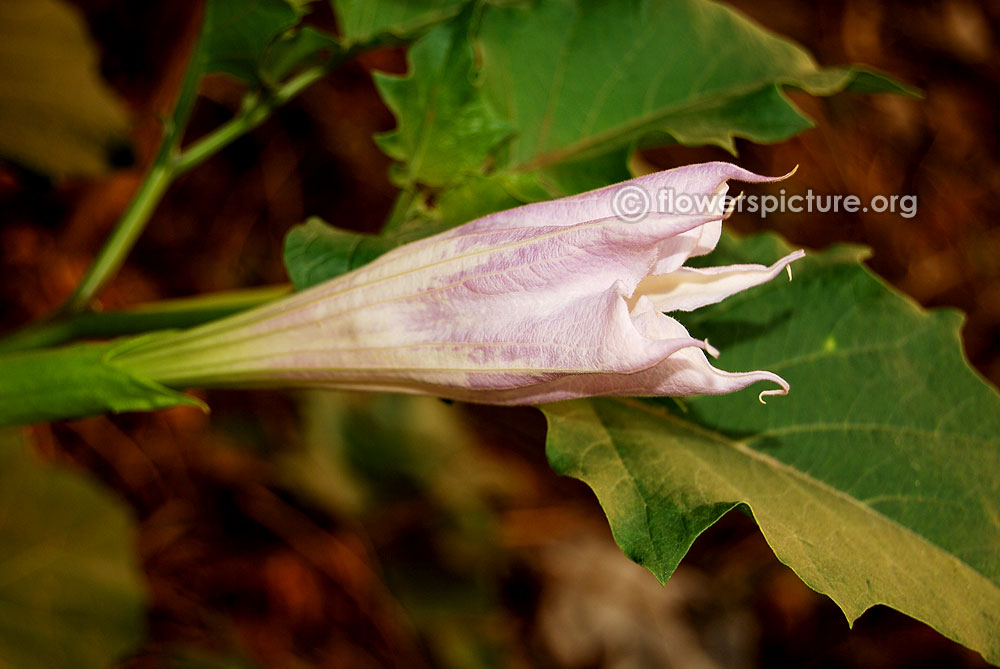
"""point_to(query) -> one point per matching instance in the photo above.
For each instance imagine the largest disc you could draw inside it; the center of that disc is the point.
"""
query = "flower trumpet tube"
(545, 302)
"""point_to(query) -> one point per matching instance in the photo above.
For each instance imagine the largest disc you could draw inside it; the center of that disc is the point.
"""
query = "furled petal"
(687, 288)
(695, 181)
(688, 372)
(545, 302)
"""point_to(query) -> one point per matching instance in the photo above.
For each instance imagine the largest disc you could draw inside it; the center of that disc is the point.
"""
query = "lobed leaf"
(877, 479)
(562, 91)
(445, 128)
(236, 35)
(695, 71)
(366, 20)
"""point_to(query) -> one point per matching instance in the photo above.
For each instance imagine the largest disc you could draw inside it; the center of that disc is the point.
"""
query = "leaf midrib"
(615, 134)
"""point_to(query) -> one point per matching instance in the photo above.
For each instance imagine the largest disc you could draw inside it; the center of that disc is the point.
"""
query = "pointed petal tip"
(711, 350)
(790, 258)
(735, 173)
(790, 174)
(783, 390)
(732, 206)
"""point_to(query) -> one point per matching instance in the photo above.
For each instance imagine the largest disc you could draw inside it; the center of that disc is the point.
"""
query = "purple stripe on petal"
(545, 302)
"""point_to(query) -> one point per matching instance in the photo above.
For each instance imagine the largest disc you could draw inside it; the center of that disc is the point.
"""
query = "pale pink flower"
(545, 302)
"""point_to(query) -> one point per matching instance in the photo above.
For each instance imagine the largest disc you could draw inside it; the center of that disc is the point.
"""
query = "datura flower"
(548, 301)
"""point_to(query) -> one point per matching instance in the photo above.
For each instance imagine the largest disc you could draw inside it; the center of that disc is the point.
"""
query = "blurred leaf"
(877, 479)
(237, 33)
(379, 447)
(56, 114)
(379, 458)
(319, 467)
(868, 80)
(297, 49)
(364, 20)
(70, 593)
(57, 384)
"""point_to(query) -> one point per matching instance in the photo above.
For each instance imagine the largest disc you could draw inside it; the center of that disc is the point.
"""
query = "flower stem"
(178, 313)
(249, 118)
(170, 164)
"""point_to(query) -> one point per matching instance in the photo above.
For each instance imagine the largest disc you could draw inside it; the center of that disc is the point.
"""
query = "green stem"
(122, 238)
(248, 119)
(167, 166)
(179, 313)
(130, 226)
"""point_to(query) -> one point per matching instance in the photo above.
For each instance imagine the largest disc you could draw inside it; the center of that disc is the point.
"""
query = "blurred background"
(318, 530)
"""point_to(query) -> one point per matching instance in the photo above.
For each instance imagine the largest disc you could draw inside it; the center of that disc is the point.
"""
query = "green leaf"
(70, 592)
(295, 50)
(561, 92)
(363, 454)
(56, 114)
(240, 38)
(56, 384)
(445, 127)
(695, 70)
(365, 20)
(315, 252)
(877, 479)
(237, 33)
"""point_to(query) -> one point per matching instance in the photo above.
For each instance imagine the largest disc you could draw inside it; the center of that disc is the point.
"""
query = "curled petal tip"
(732, 206)
(744, 175)
(792, 257)
(711, 350)
(790, 174)
(774, 391)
